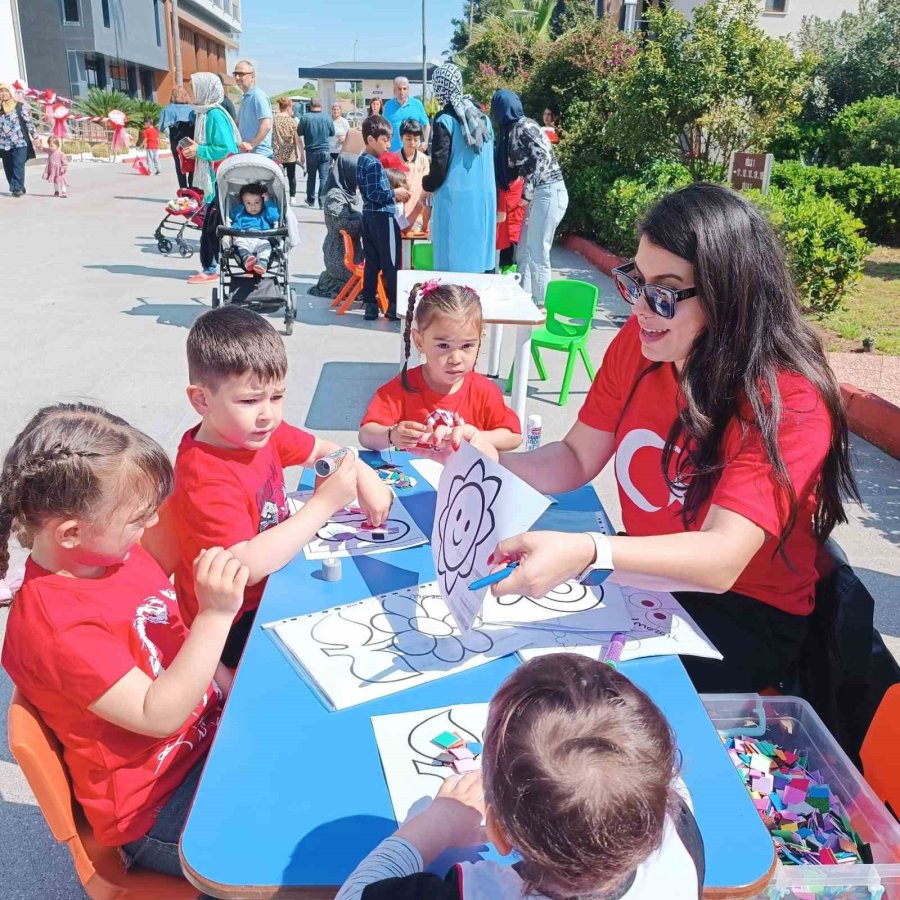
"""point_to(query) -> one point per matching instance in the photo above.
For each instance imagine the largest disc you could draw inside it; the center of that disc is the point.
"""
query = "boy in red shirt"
(229, 472)
(150, 142)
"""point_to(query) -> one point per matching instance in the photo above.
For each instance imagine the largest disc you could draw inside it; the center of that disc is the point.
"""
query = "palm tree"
(530, 19)
(100, 101)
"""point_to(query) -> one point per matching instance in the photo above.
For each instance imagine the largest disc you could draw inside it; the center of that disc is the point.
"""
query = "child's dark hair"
(411, 126)
(232, 340)
(76, 461)
(578, 767)
(376, 127)
(396, 178)
(255, 189)
(443, 299)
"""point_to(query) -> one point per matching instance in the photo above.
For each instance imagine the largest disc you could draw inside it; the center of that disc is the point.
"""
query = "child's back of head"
(232, 341)
(578, 768)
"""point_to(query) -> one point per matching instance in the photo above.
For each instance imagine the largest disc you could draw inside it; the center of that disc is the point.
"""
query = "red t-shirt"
(478, 401)
(746, 486)
(151, 138)
(68, 641)
(223, 497)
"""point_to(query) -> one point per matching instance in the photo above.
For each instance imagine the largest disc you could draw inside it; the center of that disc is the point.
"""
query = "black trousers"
(209, 242)
(758, 641)
(381, 246)
(176, 133)
(291, 170)
(317, 163)
(237, 639)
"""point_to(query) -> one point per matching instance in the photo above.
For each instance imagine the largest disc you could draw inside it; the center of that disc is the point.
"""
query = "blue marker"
(493, 578)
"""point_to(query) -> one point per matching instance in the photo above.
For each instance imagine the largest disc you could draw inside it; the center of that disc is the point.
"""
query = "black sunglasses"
(660, 299)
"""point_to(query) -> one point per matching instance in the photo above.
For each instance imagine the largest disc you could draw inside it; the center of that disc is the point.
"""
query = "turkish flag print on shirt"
(747, 485)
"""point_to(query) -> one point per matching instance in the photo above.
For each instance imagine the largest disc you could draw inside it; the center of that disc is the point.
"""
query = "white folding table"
(503, 302)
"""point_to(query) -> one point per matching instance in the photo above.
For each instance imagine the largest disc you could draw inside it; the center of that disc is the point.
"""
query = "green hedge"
(867, 132)
(872, 193)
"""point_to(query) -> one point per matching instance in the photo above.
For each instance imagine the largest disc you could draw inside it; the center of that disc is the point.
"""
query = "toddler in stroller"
(255, 212)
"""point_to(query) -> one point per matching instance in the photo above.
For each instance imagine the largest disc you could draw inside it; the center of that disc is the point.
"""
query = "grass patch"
(872, 310)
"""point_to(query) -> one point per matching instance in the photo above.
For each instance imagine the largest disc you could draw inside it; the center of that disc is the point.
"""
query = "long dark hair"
(754, 332)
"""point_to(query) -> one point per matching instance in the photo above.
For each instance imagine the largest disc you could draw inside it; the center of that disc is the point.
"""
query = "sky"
(280, 35)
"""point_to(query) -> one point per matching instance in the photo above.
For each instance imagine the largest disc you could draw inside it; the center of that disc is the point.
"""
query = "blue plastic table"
(292, 796)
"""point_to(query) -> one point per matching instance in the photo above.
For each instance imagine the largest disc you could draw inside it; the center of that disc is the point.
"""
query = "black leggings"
(758, 641)
(209, 241)
(291, 170)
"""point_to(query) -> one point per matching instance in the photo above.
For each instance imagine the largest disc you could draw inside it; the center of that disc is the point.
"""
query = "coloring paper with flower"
(365, 650)
(479, 503)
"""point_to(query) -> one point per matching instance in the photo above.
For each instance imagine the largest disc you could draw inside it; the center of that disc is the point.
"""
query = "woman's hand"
(189, 151)
(546, 560)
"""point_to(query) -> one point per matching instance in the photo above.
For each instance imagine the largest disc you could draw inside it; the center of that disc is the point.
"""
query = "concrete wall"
(132, 32)
(45, 39)
(780, 24)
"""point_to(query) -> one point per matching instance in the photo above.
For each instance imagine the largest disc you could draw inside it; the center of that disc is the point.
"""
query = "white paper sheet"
(379, 646)
(570, 607)
(659, 627)
(342, 534)
(429, 469)
(479, 503)
(409, 759)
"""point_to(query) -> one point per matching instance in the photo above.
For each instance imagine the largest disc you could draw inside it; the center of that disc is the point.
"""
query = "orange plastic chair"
(353, 288)
(879, 750)
(99, 868)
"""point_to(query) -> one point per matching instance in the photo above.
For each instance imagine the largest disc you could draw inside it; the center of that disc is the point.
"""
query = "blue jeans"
(14, 167)
(545, 212)
(317, 163)
(158, 848)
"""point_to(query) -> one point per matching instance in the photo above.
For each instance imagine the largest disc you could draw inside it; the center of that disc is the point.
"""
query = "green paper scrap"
(447, 739)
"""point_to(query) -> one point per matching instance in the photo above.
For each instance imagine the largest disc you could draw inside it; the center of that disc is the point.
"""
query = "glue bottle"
(533, 433)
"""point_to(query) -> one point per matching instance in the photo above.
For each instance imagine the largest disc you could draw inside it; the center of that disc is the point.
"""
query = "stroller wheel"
(186, 250)
(164, 245)
(215, 298)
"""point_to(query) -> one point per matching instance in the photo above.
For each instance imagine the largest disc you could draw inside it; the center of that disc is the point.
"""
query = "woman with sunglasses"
(729, 442)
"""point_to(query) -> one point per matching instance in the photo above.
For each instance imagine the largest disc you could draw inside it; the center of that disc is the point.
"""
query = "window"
(776, 6)
(118, 77)
(156, 22)
(95, 75)
(148, 83)
(71, 12)
(104, 4)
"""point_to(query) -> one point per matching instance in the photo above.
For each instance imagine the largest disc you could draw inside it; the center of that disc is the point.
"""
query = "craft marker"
(614, 650)
(327, 465)
(493, 578)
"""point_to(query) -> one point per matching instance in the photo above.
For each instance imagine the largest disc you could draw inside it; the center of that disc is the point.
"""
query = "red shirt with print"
(478, 401)
(68, 641)
(223, 497)
(747, 485)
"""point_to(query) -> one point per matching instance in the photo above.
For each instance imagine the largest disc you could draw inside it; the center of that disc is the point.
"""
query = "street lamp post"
(424, 57)
(630, 15)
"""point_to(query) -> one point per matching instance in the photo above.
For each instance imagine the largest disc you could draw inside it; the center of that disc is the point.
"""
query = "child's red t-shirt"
(151, 138)
(478, 401)
(223, 497)
(68, 641)
(747, 484)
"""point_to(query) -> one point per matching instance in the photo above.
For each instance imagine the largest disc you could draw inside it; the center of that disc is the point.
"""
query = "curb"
(868, 415)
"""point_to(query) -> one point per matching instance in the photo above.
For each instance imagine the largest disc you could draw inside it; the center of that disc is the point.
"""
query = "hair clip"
(429, 287)
(477, 295)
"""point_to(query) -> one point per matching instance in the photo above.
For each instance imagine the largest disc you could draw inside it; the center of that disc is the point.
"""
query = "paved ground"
(873, 372)
(91, 310)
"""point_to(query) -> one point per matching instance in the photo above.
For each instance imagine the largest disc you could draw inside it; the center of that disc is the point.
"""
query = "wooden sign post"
(750, 170)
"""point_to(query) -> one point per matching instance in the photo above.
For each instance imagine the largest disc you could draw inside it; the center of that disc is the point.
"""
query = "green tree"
(100, 101)
(700, 90)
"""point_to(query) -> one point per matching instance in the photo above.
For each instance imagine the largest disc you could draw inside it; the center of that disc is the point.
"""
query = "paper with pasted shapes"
(479, 503)
(385, 644)
(659, 627)
(411, 761)
(343, 534)
(571, 606)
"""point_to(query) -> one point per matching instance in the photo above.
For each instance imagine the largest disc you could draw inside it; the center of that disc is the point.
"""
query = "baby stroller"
(186, 211)
(273, 289)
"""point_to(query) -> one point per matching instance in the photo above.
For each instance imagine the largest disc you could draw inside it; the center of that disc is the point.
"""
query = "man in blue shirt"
(403, 107)
(255, 113)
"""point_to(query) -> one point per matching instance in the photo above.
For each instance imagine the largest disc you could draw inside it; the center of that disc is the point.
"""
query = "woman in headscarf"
(464, 214)
(343, 211)
(16, 135)
(524, 149)
(215, 137)
(177, 118)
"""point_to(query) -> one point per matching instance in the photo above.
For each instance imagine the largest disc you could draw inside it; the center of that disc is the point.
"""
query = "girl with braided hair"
(444, 401)
(94, 640)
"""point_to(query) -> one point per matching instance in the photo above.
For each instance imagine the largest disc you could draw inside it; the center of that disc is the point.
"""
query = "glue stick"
(533, 433)
(328, 465)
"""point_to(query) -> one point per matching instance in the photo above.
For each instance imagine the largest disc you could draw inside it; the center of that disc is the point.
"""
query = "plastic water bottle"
(533, 433)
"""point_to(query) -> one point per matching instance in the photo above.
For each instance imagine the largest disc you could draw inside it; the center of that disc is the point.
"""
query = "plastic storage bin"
(792, 723)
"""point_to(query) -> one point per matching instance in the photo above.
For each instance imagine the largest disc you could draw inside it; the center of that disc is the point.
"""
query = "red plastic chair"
(879, 750)
(353, 288)
(99, 868)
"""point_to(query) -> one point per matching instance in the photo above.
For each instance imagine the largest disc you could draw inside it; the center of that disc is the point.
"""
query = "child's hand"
(219, 580)
(401, 194)
(375, 497)
(339, 488)
(459, 808)
(406, 435)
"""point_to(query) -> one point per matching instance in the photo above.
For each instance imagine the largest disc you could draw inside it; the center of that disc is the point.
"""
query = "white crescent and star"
(638, 439)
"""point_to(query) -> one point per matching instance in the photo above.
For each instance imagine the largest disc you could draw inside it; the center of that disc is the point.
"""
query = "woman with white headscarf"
(464, 218)
(215, 137)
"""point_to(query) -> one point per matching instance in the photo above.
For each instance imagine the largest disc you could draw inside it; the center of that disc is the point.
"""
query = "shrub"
(100, 151)
(75, 147)
(872, 193)
(822, 241)
(867, 132)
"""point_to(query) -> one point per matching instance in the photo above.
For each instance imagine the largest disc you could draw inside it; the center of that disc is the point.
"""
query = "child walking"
(94, 639)
(380, 231)
(255, 212)
(150, 142)
(57, 168)
(444, 399)
(578, 775)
